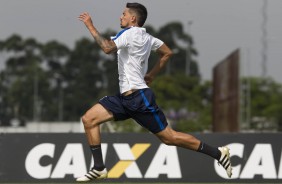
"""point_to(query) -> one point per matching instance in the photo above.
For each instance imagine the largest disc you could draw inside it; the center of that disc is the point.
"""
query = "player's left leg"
(91, 121)
(108, 108)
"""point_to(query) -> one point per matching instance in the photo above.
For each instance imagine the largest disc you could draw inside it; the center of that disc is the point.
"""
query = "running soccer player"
(136, 100)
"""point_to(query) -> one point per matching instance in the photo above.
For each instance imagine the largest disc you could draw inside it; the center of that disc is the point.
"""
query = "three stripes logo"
(225, 160)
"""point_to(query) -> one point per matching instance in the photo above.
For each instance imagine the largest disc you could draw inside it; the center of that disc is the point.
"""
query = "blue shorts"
(140, 106)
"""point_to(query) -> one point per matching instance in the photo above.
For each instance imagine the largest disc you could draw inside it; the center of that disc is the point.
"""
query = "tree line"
(51, 82)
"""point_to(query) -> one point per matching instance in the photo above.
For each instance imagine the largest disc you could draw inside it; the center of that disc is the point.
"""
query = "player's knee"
(168, 141)
(88, 122)
(84, 120)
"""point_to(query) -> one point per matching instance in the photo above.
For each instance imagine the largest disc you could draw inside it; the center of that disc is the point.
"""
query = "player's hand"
(86, 19)
(148, 79)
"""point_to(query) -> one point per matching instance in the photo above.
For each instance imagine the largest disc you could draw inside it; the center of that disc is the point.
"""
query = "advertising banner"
(256, 158)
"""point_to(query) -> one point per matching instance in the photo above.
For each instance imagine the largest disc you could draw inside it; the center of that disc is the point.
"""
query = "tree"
(266, 97)
(186, 102)
(83, 78)
(19, 77)
(182, 44)
(50, 82)
(64, 81)
(55, 55)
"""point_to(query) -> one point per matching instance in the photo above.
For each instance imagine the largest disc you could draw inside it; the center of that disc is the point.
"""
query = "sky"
(218, 27)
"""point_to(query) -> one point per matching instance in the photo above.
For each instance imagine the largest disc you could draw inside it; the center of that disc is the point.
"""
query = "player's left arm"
(164, 54)
(108, 46)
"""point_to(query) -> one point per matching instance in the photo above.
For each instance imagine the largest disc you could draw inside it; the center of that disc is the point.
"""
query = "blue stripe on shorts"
(157, 118)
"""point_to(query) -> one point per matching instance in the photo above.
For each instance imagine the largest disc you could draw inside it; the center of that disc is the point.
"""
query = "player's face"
(126, 19)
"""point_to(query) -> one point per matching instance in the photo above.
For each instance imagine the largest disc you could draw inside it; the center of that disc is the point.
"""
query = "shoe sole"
(101, 177)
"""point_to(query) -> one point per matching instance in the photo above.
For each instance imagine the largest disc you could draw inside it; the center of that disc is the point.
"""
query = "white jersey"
(134, 46)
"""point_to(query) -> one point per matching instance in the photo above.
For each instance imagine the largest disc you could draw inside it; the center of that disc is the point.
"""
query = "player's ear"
(133, 18)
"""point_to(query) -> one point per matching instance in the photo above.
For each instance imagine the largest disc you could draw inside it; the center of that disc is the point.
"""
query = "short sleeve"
(156, 43)
(121, 40)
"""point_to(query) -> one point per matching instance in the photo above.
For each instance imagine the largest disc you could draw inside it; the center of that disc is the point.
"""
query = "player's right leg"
(225, 160)
(108, 108)
(91, 121)
(172, 137)
(93, 174)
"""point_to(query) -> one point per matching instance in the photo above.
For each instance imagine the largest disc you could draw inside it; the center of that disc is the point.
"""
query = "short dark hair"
(140, 10)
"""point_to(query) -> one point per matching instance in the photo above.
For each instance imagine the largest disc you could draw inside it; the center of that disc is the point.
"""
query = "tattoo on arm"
(108, 46)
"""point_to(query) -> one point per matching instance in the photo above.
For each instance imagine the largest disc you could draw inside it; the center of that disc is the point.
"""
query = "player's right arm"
(164, 54)
(108, 46)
